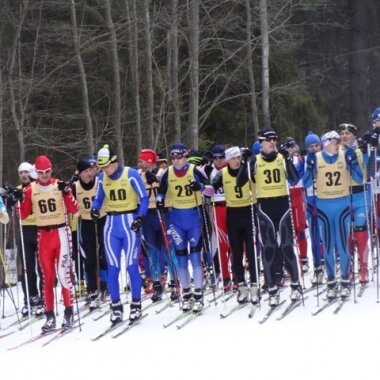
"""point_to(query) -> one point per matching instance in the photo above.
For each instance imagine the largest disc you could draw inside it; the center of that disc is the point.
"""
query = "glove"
(160, 202)
(284, 152)
(95, 215)
(195, 186)
(350, 155)
(137, 224)
(310, 160)
(64, 187)
(17, 195)
(371, 139)
(246, 153)
(150, 178)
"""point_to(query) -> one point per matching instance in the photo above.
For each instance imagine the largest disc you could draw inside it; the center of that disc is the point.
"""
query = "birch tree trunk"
(83, 79)
(116, 82)
(174, 97)
(194, 73)
(252, 86)
(148, 74)
(16, 106)
(265, 62)
(1, 122)
(358, 63)
(134, 67)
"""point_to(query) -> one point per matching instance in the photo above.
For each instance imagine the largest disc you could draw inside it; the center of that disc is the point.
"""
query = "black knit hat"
(83, 165)
(267, 133)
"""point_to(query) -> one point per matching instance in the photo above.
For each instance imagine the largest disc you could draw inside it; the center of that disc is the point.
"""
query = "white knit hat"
(25, 167)
(232, 152)
(105, 156)
(327, 137)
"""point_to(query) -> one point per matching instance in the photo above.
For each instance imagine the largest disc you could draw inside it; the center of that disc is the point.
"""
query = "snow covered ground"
(301, 346)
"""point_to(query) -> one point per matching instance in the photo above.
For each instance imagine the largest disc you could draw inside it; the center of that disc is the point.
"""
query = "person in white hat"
(333, 170)
(27, 174)
(239, 203)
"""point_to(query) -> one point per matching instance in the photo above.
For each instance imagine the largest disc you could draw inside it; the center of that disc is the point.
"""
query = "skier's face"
(110, 169)
(178, 161)
(24, 177)
(44, 176)
(269, 145)
(87, 175)
(333, 146)
(347, 137)
(314, 148)
(234, 162)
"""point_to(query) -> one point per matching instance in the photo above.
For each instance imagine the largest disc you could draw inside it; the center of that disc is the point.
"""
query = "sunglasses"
(46, 171)
(176, 157)
(269, 139)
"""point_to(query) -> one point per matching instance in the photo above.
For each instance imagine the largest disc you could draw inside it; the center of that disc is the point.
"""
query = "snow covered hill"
(301, 346)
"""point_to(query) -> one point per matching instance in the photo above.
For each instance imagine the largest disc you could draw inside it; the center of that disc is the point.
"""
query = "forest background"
(75, 74)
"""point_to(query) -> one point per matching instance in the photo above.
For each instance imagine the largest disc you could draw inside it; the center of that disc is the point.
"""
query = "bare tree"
(1, 121)
(131, 16)
(194, 73)
(148, 74)
(116, 81)
(174, 108)
(358, 63)
(265, 61)
(83, 80)
(252, 86)
(18, 106)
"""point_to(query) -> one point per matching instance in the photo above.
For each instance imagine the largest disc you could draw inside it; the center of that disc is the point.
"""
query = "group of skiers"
(240, 213)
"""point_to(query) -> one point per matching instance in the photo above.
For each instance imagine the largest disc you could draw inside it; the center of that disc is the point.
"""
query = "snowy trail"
(299, 346)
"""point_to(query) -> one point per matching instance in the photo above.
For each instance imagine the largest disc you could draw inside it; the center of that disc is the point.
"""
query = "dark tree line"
(144, 73)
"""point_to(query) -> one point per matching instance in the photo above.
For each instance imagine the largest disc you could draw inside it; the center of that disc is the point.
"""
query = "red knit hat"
(42, 163)
(148, 155)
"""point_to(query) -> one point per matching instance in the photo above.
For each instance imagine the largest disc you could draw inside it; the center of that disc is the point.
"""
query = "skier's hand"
(195, 186)
(17, 195)
(160, 203)
(95, 215)
(150, 178)
(137, 224)
(64, 187)
(350, 155)
(310, 160)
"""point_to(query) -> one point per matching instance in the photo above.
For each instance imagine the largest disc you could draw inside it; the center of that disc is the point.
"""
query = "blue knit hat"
(312, 138)
(177, 150)
(217, 151)
(256, 147)
(376, 114)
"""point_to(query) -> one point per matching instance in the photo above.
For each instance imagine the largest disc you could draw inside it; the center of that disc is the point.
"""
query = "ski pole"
(253, 229)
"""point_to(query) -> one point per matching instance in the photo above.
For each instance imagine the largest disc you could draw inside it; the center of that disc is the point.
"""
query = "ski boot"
(243, 293)
(187, 303)
(345, 288)
(296, 292)
(157, 291)
(198, 301)
(49, 325)
(332, 290)
(135, 311)
(94, 300)
(68, 318)
(117, 313)
(254, 294)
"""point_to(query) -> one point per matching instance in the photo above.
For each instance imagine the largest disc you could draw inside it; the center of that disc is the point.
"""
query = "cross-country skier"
(271, 170)
(182, 182)
(333, 170)
(240, 203)
(123, 193)
(49, 200)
